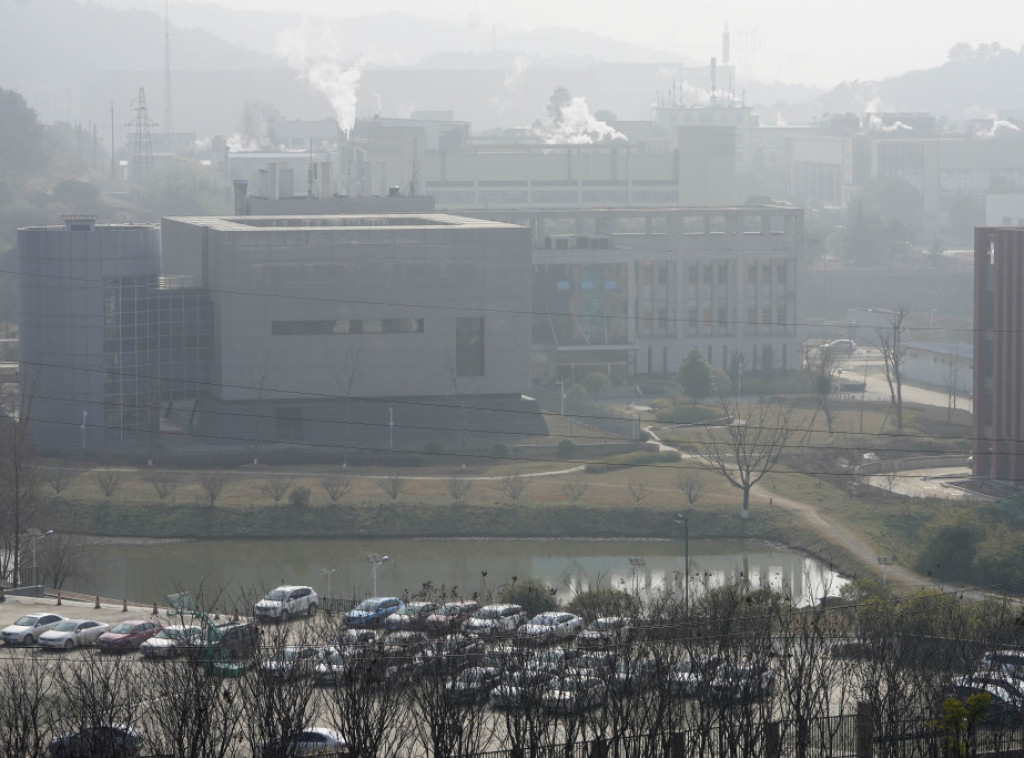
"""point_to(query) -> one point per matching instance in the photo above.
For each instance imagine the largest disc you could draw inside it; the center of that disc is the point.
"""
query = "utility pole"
(113, 175)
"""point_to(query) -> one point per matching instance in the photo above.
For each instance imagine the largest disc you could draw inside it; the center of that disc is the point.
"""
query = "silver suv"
(494, 620)
(286, 602)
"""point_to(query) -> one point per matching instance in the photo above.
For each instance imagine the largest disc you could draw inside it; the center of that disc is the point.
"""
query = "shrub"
(501, 450)
(433, 448)
(535, 596)
(299, 496)
(566, 449)
(596, 382)
(639, 458)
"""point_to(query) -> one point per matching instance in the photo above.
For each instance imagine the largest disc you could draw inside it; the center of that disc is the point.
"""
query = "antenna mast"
(167, 70)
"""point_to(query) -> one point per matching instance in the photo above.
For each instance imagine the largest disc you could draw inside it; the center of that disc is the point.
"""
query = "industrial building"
(998, 353)
(380, 331)
(631, 291)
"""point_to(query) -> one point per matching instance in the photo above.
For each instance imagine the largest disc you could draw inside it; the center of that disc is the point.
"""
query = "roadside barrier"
(97, 602)
(124, 606)
(58, 597)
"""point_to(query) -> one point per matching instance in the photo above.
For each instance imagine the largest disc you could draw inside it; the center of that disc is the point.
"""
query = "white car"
(316, 740)
(291, 662)
(27, 629)
(171, 641)
(494, 620)
(553, 625)
(71, 633)
(286, 602)
(608, 631)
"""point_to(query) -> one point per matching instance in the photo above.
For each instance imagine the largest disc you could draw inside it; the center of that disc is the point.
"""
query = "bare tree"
(822, 367)
(260, 375)
(894, 354)
(109, 480)
(19, 493)
(575, 487)
(59, 477)
(512, 486)
(348, 374)
(212, 484)
(691, 484)
(391, 484)
(638, 490)
(750, 447)
(336, 486)
(458, 487)
(26, 720)
(276, 487)
(63, 556)
(163, 484)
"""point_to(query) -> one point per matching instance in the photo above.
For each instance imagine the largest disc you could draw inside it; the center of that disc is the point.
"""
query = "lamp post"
(391, 431)
(680, 519)
(35, 562)
(327, 573)
(85, 419)
(376, 560)
(561, 393)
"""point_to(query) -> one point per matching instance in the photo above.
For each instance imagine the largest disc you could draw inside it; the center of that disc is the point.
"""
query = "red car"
(449, 617)
(128, 635)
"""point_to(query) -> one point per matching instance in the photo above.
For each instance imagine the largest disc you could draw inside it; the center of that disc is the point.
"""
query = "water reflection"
(233, 568)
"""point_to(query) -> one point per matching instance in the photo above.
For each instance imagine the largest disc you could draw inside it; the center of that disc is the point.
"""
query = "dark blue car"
(373, 611)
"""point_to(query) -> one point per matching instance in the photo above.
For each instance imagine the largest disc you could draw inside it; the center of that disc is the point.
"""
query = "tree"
(638, 490)
(512, 486)
(575, 487)
(163, 484)
(260, 375)
(23, 147)
(750, 447)
(695, 376)
(822, 366)
(596, 382)
(109, 480)
(894, 353)
(533, 594)
(691, 484)
(63, 556)
(458, 487)
(59, 477)
(276, 487)
(336, 486)
(391, 485)
(212, 484)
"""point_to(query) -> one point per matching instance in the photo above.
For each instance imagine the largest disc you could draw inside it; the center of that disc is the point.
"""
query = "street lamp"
(391, 431)
(327, 573)
(85, 420)
(35, 540)
(561, 393)
(680, 519)
(376, 560)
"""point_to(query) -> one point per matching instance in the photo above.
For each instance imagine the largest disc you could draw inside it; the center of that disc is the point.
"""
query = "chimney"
(241, 197)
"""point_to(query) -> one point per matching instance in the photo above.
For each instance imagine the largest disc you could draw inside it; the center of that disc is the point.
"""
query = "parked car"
(100, 741)
(636, 674)
(411, 617)
(456, 651)
(552, 660)
(519, 689)
(694, 675)
(173, 640)
(840, 347)
(332, 667)
(606, 632)
(1006, 693)
(351, 639)
(291, 662)
(240, 639)
(373, 611)
(550, 626)
(493, 620)
(472, 684)
(571, 693)
(128, 635)
(288, 601)
(316, 740)
(71, 633)
(28, 629)
(1006, 661)
(600, 665)
(451, 616)
(746, 681)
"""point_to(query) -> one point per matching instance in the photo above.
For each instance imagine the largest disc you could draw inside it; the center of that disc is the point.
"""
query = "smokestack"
(725, 47)
(241, 197)
(714, 78)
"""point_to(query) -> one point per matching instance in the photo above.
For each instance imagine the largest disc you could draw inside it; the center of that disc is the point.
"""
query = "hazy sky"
(814, 41)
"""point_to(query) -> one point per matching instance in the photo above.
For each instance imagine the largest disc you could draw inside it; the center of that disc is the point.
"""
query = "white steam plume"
(998, 124)
(875, 124)
(315, 54)
(579, 127)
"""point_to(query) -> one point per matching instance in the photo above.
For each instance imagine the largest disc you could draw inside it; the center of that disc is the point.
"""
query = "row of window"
(347, 326)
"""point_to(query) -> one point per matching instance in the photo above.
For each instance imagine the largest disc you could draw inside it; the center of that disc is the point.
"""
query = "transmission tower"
(142, 144)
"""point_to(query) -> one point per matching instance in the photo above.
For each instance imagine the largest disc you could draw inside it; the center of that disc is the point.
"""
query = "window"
(751, 315)
(766, 273)
(469, 346)
(723, 273)
(663, 274)
(708, 274)
(692, 274)
(347, 326)
(707, 316)
(752, 273)
(780, 273)
(781, 319)
(766, 315)
(723, 316)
